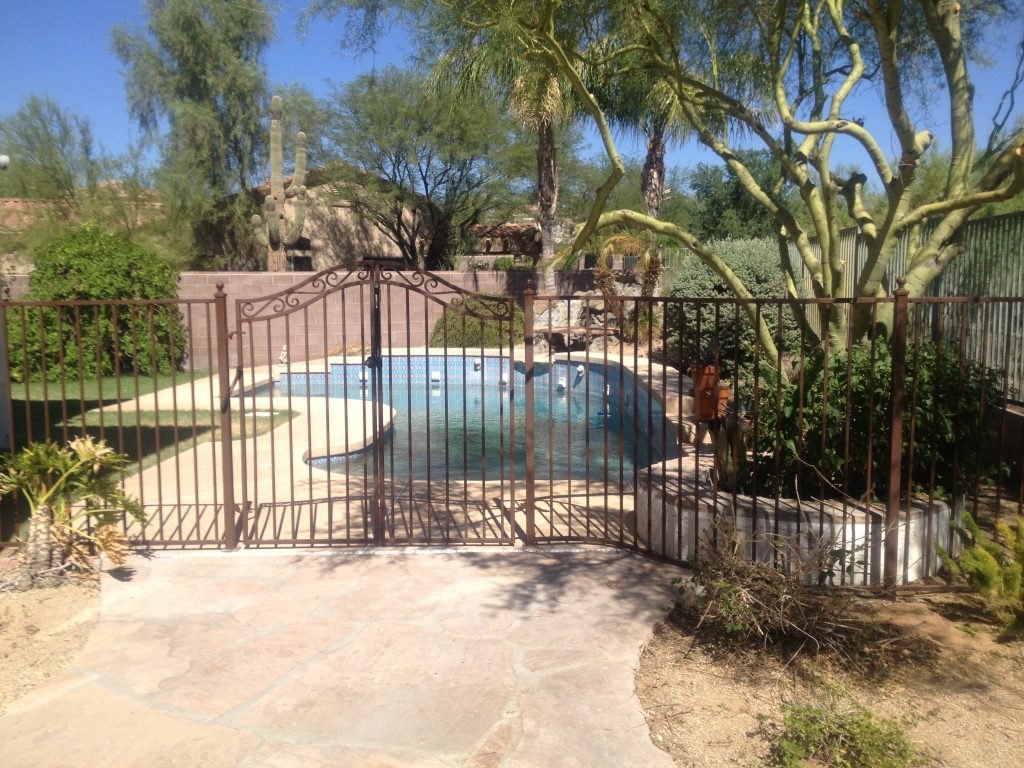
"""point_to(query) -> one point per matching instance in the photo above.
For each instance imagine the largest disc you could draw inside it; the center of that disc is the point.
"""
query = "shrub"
(504, 263)
(953, 431)
(838, 736)
(473, 322)
(722, 327)
(88, 264)
(746, 602)
(994, 567)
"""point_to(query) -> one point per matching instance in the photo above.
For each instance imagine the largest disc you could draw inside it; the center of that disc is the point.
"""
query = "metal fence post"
(892, 504)
(220, 301)
(377, 398)
(531, 468)
(6, 414)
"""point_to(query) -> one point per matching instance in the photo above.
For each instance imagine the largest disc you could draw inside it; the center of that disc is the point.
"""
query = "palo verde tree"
(57, 171)
(54, 158)
(197, 72)
(792, 69)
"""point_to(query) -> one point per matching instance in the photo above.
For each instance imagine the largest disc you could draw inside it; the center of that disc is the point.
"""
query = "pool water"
(467, 424)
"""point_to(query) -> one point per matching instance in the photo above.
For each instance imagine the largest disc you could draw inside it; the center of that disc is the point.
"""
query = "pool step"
(686, 423)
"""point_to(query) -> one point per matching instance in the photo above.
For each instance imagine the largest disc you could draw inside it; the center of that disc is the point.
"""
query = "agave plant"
(75, 503)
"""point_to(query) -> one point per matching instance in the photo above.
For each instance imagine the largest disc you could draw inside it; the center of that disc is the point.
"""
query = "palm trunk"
(652, 179)
(41, 560)
(652, 186)
(547, 200)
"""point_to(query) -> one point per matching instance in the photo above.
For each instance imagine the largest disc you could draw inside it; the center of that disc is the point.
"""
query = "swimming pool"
(455, 416)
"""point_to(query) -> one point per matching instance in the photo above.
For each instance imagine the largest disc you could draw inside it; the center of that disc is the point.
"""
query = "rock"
(600, 343)
(558, 314)
(687, 597)
(586, 310)
(541, 348)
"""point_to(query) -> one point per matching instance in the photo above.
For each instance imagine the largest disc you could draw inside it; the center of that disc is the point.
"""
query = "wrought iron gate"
(360, 392)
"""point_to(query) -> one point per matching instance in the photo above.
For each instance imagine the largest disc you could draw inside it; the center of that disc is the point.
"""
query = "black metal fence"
(383, 407)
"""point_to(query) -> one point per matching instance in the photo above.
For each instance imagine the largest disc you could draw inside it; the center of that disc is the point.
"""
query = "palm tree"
(486, 59)
(537, 99)
(641, 105)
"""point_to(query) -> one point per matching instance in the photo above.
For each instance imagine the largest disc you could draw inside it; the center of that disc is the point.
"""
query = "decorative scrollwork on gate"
(427, 284)
(305, 293)
(483, 306)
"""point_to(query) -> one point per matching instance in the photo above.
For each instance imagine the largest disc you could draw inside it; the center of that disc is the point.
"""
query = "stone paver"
(429, 658)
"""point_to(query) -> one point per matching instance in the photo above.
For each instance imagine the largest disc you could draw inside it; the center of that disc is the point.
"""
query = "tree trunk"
(652, 186)
(41, 559)
(652, 179)
(437, 251)
(547, 200)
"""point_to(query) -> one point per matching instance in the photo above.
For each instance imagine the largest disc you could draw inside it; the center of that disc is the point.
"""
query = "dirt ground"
(41, 632)
(964, 706)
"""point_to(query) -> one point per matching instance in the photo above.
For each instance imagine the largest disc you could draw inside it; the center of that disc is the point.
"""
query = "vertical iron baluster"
(172, 363)
(223, 373)
(531, 459)
(511, 420)
(328, 378)
(586, 413)
(447, 454)
(58, 314)
(892, 507)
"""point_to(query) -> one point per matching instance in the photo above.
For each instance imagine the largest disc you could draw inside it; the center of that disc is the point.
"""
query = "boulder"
(599, 344)
(558, 314)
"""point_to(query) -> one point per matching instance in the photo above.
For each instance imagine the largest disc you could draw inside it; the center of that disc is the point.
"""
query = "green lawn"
(111, 388)
(42, 409)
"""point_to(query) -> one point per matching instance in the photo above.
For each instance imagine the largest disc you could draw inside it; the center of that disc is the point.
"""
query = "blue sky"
(61, 49)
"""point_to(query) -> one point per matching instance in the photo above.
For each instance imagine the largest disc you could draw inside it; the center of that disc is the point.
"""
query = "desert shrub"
(838, 735)
(472, 322)
(994, 566)
(953, 404)
(89, 264)
(724, 328)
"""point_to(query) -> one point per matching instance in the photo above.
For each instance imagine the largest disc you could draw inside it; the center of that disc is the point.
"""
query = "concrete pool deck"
(315, 660)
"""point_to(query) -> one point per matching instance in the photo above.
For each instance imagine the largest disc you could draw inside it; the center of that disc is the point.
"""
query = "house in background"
(520, 242)
(333, 235)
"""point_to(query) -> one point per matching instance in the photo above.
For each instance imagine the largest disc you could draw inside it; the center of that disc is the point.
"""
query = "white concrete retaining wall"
(672, 519)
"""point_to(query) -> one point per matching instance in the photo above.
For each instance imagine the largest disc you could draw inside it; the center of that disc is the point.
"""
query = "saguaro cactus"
(272, 229)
